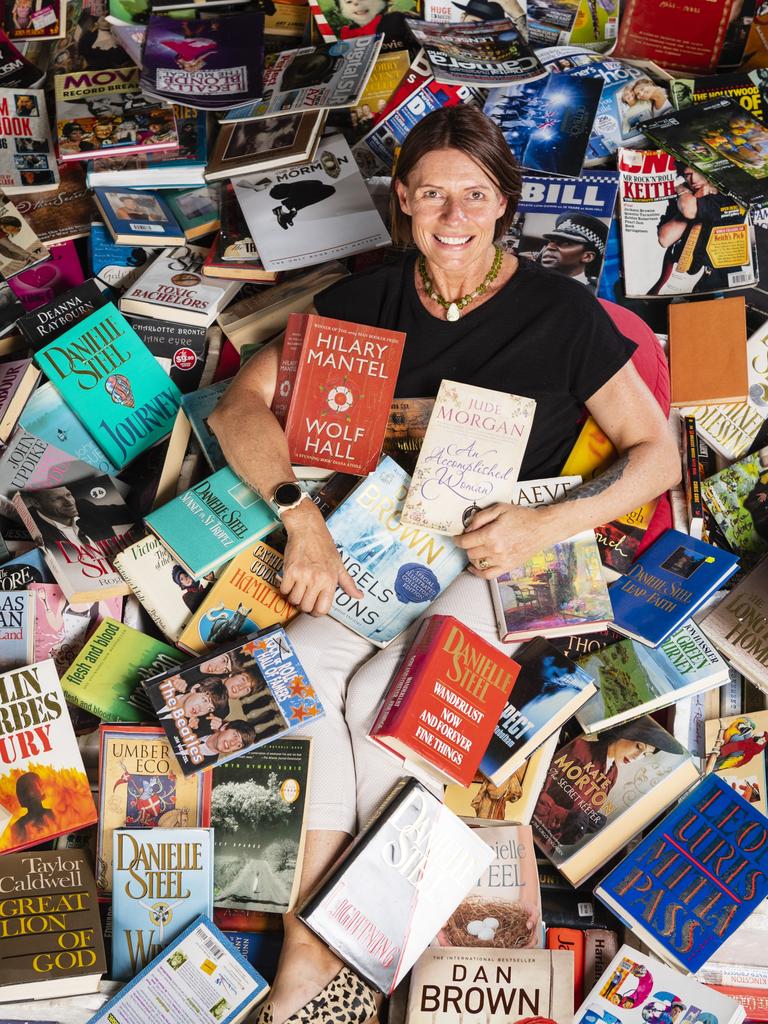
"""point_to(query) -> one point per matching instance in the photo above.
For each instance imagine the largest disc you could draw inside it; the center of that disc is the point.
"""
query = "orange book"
(572, 940)
(708, 351)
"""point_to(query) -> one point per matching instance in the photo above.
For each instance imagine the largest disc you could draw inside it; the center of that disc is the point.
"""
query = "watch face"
(287, 494)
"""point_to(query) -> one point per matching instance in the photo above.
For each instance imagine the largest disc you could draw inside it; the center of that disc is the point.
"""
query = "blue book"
(695, 877)
(47, 416)
(197, 407)
(137, 217)
(30, 567)
(115, 265)
(666, 585)
(200, 967)
(260, 949)
(162, 880)
(401, 569)
(212, 522)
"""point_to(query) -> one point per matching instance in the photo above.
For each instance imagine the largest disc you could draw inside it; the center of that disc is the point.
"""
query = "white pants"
(350, 774)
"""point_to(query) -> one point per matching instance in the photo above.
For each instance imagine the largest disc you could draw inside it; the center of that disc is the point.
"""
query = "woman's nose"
(453, 211)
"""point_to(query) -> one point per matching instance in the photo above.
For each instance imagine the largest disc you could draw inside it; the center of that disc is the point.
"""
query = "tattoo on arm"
(601, 483)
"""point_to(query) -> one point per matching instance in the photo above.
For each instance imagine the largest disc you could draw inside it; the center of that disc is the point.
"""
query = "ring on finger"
(483, 563)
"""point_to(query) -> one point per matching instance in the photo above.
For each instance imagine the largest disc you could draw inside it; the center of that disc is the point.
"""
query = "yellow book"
(591, 454)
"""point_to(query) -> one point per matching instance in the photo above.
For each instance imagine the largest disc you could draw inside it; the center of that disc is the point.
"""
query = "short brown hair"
(467, 129)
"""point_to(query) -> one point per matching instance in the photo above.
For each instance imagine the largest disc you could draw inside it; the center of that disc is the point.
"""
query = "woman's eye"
(478, 195)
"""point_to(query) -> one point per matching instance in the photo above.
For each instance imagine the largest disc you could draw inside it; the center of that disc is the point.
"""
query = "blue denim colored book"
(666, 585)
(197, 407)
(695, 877)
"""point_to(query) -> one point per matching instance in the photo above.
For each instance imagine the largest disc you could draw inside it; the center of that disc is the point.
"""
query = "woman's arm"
(648, 465)
(255, 447)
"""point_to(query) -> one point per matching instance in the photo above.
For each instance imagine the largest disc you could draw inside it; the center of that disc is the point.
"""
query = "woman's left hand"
(505, 536)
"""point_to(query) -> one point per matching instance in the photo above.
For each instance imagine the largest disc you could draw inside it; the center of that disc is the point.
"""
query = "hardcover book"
(17, 629)
(113, 384)
(406, 426)
(136, 217)
(44, 791)
(162, 880)
(445, 700)
(736, 625)
(648, 888)
(223, 705)
(61, 213)
(665, 586)
(734, 496)
(261, 146)
(113, 265)
(21, 248)
(18, 378)
(600, 791)
(686, 39)
(197, 407)
(28, 161)
(61, 628)
(708, 352)
(210, 523)
(339, 378)
(50, 931)
(549, 689)
(196, 210)
(404, 875)
(734, 747)
(695, 455)
(401, 568)
(481, 432)
(46, 322)
(257, 811)
(107, 675)
(138, 788)
(47, 416)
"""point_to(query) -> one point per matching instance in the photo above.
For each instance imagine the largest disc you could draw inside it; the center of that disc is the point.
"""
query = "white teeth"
(451, 240)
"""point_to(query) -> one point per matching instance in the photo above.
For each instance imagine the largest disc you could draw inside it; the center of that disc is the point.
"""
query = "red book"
(334, 386)
(445, 700)
(572, 940)
(681, 37)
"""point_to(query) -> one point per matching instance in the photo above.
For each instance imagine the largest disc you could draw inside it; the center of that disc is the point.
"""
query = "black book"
(46, 322)
(183, 345)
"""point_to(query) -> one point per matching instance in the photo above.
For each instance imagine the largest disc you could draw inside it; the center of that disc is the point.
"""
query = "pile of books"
(177, 182)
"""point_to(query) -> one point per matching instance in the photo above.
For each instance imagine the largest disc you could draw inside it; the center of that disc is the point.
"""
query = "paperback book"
(47, 416)
(20, 248)
(734, 497)
(196, 210)
(38, 285)
(197, 407)
(16, 72)
(54, 318)
(61, 628)
(17, 629)
(736, 625)
(61, 213)
(406, 426)
(18, 378)
(28, 160)
(138, 218)
(116, 266)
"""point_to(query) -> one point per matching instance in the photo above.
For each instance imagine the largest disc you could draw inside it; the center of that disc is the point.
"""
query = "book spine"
(293, 341)
(600, 947)
(571, 940)
(695, 507)
(396, 703)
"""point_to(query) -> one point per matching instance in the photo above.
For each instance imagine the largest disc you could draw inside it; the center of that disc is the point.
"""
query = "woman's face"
(626, 751)
(453, 204)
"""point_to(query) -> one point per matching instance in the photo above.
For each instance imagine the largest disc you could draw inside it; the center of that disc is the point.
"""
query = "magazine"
(27, 159)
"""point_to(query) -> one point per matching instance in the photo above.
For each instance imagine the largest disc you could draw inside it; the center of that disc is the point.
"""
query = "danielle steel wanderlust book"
(470, 457)
(401, 568)
(339, 378)
(649, 887)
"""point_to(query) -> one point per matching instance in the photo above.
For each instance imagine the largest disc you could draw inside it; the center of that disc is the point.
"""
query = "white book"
(470, 457)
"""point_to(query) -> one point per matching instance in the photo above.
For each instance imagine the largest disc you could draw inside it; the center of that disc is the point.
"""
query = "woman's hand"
(312, 568)
(506, 536)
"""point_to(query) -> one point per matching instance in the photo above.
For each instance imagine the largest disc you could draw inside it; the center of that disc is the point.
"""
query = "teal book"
(47, 416)
(113, 384)
(162, 880)
(210, 523)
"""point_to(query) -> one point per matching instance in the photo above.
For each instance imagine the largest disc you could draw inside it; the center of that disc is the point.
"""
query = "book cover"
(257, 813)
(547, 123)
(139, 788)
(196, 210)
(245, 598)
(28, 161)
(16, 72)
(39, 285)
(492, 985)
(200, 966)
(503, 910)
(62, 213)
(17, 629)
(162, 880)
(18, 378)
(548, 690)
(183, 348)
(445, 700)
(137, 217)
(735, 750)
(708, 351)
(209, 65)
(19, 572)
(649, 888)
(312, 212)
(44, 791)
(665, 586)
(101, 368)
(20, 248)
(23, 20)
(644, 989)
(50, 932)
(481, 432)
(600, 946)
(734, 496)
(683, 38)
(695, 451)
(211, 522)
(61, 628)
(47, 416)
(736, 625)
(108, 673)
(722, 141)
(600, 791)
(224, 704)
(573, 942)
(339, 399)
(679, 235)
(406, 426)
(634, 680)
(115, 266)
(260, 146)
(400, 568)
(197, 407)
(54, 318)
(395, 878)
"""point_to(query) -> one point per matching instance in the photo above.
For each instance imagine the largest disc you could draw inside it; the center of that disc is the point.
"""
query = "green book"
(113, 384)
(107, 675)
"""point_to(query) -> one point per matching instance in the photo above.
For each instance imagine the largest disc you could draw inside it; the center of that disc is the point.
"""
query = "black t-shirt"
(542, 335)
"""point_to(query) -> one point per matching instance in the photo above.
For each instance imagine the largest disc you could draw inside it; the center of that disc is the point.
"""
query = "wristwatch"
(286, 496)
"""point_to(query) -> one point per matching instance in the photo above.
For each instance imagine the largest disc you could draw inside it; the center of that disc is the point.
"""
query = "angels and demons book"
(445, 700)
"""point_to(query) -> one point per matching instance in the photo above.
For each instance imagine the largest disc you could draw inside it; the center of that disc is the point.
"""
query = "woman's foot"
(306, 966)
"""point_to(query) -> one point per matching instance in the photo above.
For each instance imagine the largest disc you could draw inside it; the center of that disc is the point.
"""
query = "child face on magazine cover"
(361, 11)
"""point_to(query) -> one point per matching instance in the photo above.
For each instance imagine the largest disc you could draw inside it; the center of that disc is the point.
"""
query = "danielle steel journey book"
(667, 584)
(401, 569)
(652, 886)
(470, 457)
(549, 689)
(339, 378)
(737, 625)
(445, 699)
(602, 790)
(383, 902)
(162, 880)
(50, 930)
(639, 985)
(139, 787)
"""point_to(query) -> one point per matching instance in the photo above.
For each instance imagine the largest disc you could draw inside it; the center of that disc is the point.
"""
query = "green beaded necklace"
(453, 309)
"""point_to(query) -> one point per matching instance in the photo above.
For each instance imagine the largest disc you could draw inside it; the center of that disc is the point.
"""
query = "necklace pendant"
(452, 313)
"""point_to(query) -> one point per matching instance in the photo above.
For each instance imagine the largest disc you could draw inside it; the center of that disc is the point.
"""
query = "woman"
(519, 328)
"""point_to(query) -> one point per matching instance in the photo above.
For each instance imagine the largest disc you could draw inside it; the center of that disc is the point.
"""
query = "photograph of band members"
(572, 244)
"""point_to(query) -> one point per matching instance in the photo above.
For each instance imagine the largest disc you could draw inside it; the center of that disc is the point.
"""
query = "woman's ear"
(402, 197)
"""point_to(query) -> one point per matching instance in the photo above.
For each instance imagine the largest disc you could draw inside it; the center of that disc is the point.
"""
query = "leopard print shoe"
(346, 999)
